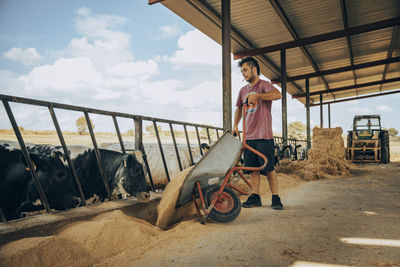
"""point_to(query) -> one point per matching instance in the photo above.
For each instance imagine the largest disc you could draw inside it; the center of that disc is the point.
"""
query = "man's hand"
(252, 99)
(235, 131)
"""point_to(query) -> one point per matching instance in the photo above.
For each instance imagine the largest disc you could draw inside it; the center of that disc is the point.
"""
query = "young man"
(260, 95)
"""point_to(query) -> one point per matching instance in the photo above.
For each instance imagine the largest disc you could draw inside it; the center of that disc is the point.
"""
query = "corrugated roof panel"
(259, 25)
(362, 12)
(313, 17)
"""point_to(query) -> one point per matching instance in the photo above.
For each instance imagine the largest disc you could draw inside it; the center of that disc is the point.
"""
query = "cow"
(18, 192)
(125, 175)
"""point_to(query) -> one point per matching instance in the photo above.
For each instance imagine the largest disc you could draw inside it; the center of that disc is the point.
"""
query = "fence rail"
(138, 139)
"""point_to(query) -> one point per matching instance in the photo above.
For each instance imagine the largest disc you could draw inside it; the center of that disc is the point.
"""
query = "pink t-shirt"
(258, 119)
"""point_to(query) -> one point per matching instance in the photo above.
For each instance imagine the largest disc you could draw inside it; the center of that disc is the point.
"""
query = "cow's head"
(56, 180)
(130, 177)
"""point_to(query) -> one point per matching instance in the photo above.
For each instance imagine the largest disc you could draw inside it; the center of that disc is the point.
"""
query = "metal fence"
(138, 140)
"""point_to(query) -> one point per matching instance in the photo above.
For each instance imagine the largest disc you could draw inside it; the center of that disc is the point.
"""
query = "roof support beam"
(346, 27)
(356, 98)
(321, 38)
(226, 65)
(349, 87)
(215, 17)
(341, 69)
(393, 43)
(281, 13)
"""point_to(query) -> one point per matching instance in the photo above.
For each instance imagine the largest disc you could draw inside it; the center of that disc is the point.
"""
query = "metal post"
(188, 144)
(198, 140)
(98, 156)
(329, 115)
(226, 65)
(321, 118)
(121, 142)
(176, 147)
(138, 134)
(208, 136)
(66, 154)
(284, 101)
(140, 147)
(161, 149)
(308, 113)
(216, 130)
(26, 156)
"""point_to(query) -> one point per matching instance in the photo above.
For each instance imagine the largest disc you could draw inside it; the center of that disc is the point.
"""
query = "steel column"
(188, 144)
(321, 112)
(121, 142)
(198, 140)
(171, 129)
(308, 113)
(226, 65)
(284, 99)
(329, 115)
(161, 150)
(66, 154)
(26, 156)
(98, 156)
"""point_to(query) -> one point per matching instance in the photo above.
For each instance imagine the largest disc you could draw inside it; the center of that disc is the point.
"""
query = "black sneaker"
(276, 203)
(253, 201)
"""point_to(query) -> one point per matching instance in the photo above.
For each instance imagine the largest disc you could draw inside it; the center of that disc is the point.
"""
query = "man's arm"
(238, 117)
(271, 95)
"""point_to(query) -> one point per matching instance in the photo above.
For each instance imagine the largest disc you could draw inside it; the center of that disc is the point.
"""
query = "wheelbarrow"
(210, 179)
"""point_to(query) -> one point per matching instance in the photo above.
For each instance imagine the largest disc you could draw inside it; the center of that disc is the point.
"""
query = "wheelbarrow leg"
(203, 205)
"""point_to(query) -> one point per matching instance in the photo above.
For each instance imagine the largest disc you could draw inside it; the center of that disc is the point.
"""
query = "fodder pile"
(327, 157)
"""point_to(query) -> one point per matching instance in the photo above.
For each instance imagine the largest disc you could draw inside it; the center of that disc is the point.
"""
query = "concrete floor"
(318, 217)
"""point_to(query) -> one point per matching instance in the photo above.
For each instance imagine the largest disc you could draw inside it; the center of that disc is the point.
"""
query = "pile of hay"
(327, 157)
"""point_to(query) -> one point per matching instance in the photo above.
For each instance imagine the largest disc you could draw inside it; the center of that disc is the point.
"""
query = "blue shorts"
(266, 147)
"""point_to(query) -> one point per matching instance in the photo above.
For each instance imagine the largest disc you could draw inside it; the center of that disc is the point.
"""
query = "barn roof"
(347, 49)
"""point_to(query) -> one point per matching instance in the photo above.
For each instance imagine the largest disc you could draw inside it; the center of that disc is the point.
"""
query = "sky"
(130, 57)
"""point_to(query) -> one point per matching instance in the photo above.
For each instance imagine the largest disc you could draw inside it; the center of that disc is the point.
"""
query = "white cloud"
(27, 57)
(196, 48)
(100, 42)
(165, 32)
(383, 108)
(69, 75)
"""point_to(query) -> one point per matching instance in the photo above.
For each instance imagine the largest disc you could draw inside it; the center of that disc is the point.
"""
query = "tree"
(393, 132)
(150, 129)
(81, 125)
(296, 130)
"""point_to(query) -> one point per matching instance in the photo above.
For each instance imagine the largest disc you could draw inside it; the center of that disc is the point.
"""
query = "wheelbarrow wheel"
(226, 208)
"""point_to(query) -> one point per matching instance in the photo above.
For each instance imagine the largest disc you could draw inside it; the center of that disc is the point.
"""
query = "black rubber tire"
(385, 155)
(385, 147)
(217, 214)
(349, 142)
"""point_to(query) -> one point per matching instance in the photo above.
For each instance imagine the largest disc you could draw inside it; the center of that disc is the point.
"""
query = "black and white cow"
(18, 192)
(125, 175)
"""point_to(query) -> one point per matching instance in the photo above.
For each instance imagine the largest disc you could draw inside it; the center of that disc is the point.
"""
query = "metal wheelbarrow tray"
(209, 180)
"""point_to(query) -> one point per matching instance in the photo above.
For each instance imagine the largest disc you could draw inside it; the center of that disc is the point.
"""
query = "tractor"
(368, 142)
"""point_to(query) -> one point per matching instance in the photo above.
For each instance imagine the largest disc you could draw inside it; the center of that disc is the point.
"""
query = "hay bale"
(327, 157)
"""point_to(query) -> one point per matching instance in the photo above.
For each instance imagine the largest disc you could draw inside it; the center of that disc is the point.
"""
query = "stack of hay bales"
(327, 157)
(328, 152)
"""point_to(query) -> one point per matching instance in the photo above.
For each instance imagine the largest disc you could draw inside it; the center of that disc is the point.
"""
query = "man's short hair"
(251, 62)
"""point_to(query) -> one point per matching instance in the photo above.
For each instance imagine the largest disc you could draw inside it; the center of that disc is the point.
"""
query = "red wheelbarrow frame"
(237, 169)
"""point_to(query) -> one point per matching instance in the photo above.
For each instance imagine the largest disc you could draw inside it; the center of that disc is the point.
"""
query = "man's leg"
(273, 182)
(273, 186)
(255, 182)
(254, 199)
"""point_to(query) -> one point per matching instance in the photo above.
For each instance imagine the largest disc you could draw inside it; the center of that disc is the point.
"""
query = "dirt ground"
(319, 220)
